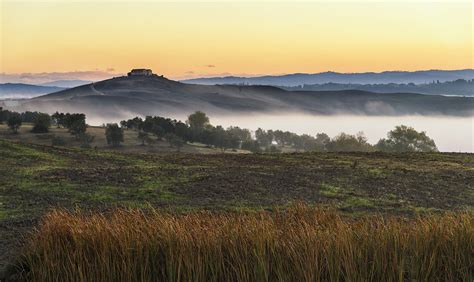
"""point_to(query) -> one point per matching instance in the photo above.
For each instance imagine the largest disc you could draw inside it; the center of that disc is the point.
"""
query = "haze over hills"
(459, 87)
(151, 95)
(67, 83)
(296, 79)
(20, 90)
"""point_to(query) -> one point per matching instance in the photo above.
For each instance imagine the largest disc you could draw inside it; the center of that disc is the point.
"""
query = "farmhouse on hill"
(140, 72)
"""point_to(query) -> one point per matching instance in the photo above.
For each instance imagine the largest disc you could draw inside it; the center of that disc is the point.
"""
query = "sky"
(184, 39)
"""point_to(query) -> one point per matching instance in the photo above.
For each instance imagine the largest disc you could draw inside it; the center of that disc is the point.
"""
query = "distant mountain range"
(20, 90)
(123, 97)
(297, 79)
(458, 87)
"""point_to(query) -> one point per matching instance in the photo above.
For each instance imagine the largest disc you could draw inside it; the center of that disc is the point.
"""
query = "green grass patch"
(331, 191)
(359, 202)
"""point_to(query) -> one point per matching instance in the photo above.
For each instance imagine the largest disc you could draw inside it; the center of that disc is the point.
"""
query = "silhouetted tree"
(136, 123)
(114, 134)
(42, 123)
(76, 123)
(174, 141)
(406, 139)
(182, 131)
(264, 138)
(198, 120)
(252, 146)
(59, 119)
(85, 139)
(143, 137)
(2, 115)
(14, 122)
(322, 140)
(242, 134)
(349, 143)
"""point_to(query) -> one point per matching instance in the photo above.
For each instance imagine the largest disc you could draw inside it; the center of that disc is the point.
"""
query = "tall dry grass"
(299, 244)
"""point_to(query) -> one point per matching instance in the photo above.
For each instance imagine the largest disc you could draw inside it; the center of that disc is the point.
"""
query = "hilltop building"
(140, 72)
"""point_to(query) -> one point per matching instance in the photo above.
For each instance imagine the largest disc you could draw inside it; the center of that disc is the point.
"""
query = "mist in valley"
(451, 134)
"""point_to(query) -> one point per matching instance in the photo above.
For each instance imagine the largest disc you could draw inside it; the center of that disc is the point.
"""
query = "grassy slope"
(34, 178)
(131, 142)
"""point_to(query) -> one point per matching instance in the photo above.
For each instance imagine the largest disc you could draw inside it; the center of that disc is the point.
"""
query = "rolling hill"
(140, 95)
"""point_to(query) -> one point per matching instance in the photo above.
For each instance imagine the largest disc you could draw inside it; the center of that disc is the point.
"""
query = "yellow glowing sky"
(182, 39)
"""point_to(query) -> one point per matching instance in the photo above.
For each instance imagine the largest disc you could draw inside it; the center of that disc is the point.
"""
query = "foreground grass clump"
(298, 244)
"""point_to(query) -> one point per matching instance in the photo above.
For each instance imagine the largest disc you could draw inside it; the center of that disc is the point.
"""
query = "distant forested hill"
(459, 87)
(297, 79)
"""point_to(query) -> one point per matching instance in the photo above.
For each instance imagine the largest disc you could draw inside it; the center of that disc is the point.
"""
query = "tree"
(3, 115)
(322, 141)
(143, 137)
(181, 130)
(174, 141)
(42, 123)
(158, 126)
(308, 142)
(58, 119)
(406, 139)
(349, 143)
(136, 123)
(264, 138)
(283, 137)
(78, 127)
(225, 139)
(14, 122)
(251, 146)
(76, 123)
(231, 140)
(242, 134)
(198, 120)
(114, 134)
(298, 142)
(85, 139)
(206, 136)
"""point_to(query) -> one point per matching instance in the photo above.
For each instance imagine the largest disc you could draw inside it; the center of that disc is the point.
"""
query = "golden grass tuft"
(299, 244)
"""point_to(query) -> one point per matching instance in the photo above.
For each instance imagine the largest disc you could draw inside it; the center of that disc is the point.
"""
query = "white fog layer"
(451, 134)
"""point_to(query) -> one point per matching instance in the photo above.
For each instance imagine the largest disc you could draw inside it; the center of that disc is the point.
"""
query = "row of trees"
(197, 128)
(14, 120)
(75, 123)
